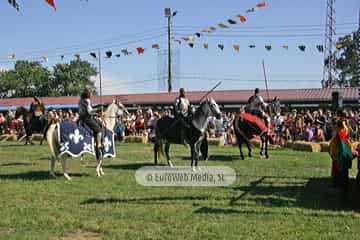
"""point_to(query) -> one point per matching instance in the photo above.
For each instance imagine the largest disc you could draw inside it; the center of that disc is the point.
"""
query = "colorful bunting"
(221, 25)
(285, 47)
(14, 4)
(236, 47)
(191, 45)
(108, 54)
(156, 46)
(12, 56)
(189, 38)
(51, 3)
(118, 55)
(93, 55)
(252, 46)
(206, 31)
(213, 29)
(339, 46)
(302, 48)
(125, 52)
(268, 47)
(221, 46)
(231, 21)
(259, 5)
(198, 35)
(251, 10)
(140, 50)
(320, 48)
(178, 41)
(242, 18)
(206, 45)
(62, 57)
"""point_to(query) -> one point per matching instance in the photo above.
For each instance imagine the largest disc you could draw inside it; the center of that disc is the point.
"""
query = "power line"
(261, 36)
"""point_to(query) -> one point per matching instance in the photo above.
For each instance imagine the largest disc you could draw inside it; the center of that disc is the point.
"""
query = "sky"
(80, 26)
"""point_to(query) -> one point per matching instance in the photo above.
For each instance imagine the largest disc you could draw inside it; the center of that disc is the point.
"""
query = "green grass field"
(289, 196)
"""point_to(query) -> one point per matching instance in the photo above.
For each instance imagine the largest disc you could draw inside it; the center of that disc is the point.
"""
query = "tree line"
(29, 79)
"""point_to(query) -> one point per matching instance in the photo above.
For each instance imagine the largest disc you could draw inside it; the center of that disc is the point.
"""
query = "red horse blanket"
(255, 120)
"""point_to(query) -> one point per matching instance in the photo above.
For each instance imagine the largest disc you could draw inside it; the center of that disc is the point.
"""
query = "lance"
(210, 91)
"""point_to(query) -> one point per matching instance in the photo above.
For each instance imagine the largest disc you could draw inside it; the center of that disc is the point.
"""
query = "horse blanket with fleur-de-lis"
(76, 140)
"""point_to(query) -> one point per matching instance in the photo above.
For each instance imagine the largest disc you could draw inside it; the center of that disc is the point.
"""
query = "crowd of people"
(291, 125)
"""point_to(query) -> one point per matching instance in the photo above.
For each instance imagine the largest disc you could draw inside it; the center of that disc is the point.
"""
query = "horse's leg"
(192, 149)
(204, 148)
(249, 148)
(262, 144)
(52, 166)
(266, 145)
(63, 164)
(167, 149)
(99, 160)
(156, 148)
(239, 140)
(197, 153)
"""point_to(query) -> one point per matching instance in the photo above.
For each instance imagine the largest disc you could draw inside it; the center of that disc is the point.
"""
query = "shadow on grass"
(35, 176)
(150, 200)
(130, 166)
(315, 193)
(15, 164)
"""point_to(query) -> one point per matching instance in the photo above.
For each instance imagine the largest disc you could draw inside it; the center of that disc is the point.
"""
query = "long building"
(229, 99)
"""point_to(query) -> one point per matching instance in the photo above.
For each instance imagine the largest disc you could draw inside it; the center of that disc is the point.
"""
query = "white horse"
(113, 110)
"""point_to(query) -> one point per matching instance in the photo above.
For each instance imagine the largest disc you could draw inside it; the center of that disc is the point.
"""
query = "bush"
(324, 146)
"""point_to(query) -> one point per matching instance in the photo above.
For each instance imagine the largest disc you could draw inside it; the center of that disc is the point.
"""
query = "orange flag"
(51, 3)
(242, 18)
(263, 4)
(140, 50)
(156, 46)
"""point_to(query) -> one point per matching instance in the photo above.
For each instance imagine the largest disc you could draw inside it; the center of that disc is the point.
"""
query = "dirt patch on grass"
(6, 230)
(80, 235)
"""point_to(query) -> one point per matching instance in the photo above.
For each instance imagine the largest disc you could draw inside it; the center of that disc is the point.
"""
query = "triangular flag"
(178, 41)
(189, 38)
(191, 45)
(206, 30)
(130, 52)
(320, 48)
(12, 56)
(236, 47)
(125, 52)
(263, 4)
(285, 47)
(118, 55)
(242, 18)
(252, 46)
(339, 45)
(221, 25)
(51, 3)
(156, 45)
(93, 54)
(77, 56)
(108, 54)
(221, 46)
(268, 47)
(251, 10)
(14, 4)
(46, 59)
(302, 48)
(140, 50)
(231, 21)
(206, 45)
(198, 35)
(62, 57)
(213, 29)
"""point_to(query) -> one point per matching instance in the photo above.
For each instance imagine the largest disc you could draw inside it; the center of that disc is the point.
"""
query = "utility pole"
(100, 78)
(358, 50)
(169, 15)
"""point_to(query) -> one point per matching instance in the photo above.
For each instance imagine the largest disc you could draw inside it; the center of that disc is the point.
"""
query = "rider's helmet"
(182, 92)
(257, 90)
(86, 94)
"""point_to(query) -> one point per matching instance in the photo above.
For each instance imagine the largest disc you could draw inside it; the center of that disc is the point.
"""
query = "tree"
(29, 79)
(347, 60)
(71, 78)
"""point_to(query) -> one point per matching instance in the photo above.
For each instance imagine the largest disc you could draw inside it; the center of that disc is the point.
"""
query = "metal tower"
(330, 74)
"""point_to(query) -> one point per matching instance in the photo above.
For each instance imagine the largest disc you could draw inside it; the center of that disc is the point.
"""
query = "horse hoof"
(199, 169)
(193, 169)
(67, 176)
(52, 175)
(261, 153)
(171, 164)
(249, 154)
(242, 157)
(267, 156)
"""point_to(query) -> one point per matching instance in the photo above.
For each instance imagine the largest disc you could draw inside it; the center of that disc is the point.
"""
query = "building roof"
(223, 97)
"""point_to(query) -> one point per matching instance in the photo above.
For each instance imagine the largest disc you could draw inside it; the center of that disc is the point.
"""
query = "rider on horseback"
(257, 106)
(183, 112)
(86, 115)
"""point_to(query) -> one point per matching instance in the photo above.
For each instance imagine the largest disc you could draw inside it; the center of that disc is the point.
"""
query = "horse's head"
(20, 111)
(122, 110)
(210, 107)
(275, 107)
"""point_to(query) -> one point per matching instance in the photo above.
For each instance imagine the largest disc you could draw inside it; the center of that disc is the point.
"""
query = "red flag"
(242, 18)
(51, 3)
(140, 50)
(261, 4)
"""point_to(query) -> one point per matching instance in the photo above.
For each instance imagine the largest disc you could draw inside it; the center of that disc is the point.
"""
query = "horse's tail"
(238, 131)
(51, 138)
